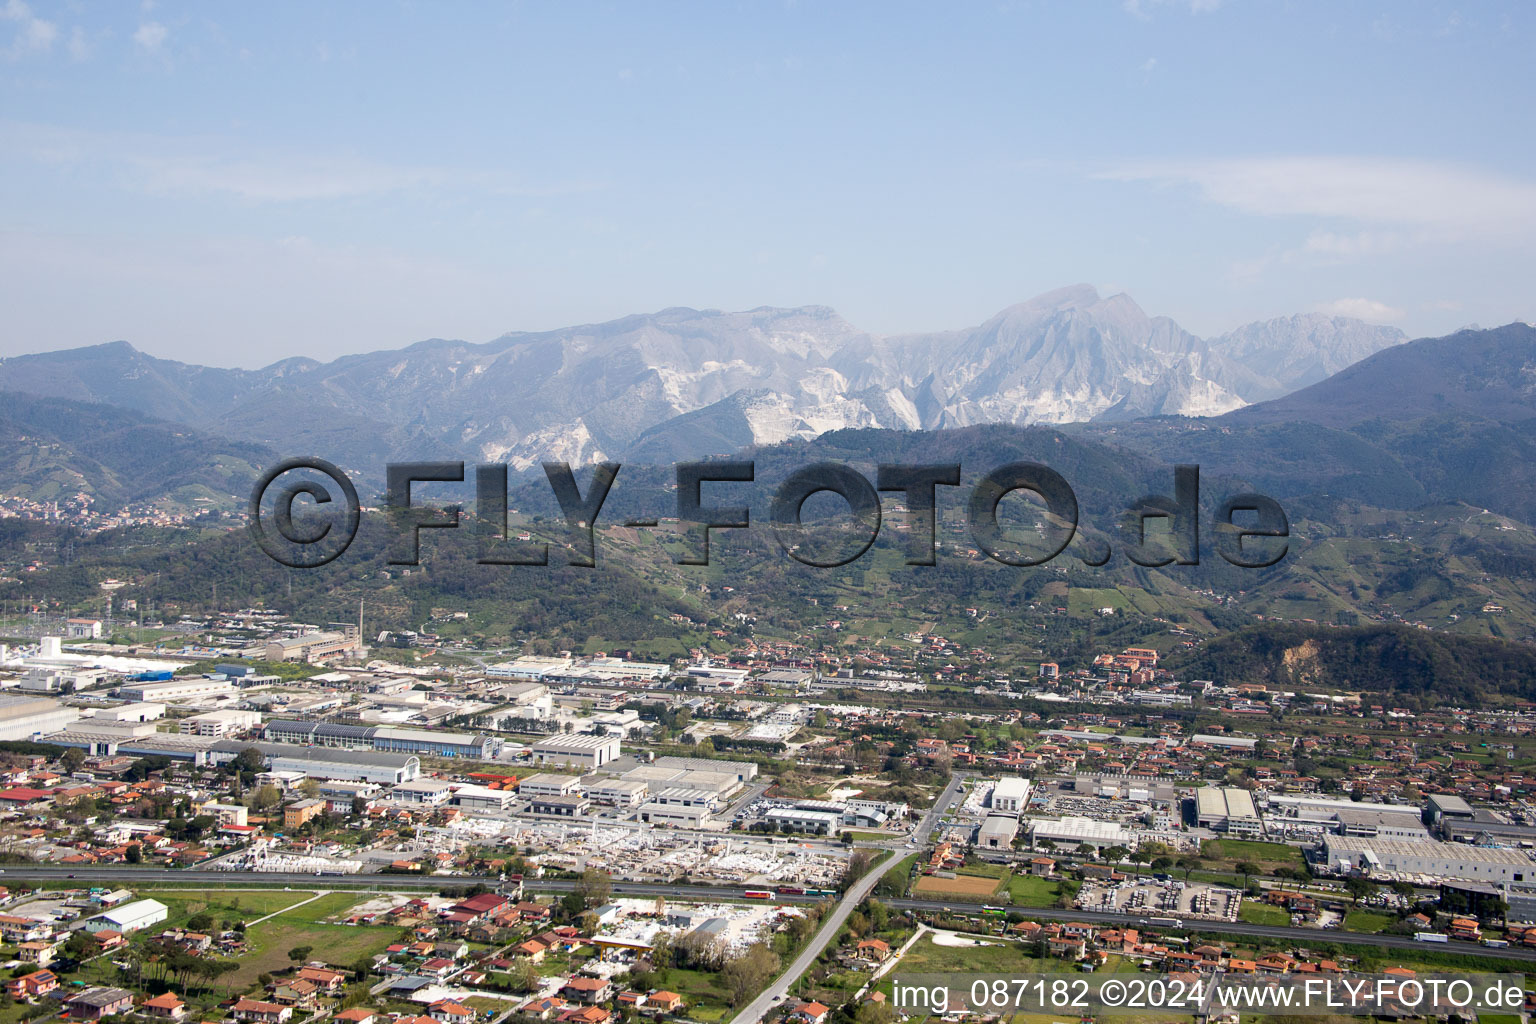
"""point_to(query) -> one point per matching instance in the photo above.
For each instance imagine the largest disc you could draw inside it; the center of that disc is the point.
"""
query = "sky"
(232, 184)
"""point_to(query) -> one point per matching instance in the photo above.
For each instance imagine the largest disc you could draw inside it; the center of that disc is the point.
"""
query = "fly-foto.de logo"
(305, 512)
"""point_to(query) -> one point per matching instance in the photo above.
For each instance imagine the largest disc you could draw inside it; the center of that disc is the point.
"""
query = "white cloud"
(79, 46)
(183, 166)
(1362, 309)
(35, 34)
(150, 36)
(1446, 198)
(1143, 8)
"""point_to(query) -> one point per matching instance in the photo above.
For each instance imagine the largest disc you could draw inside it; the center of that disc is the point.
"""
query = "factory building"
(22, 718)
(1227, 809)
(537, 786)
(313, 647)
(1010, 795)
(130, 917)
(588, 752)
(673, 814)
(482, 798)
(220, 723)
(745, 771)
(184, 688)
(384, 738)
(1072, 832)
(997, 832)
(429, 792)
(316, 763)
(1396, 857)
(619, 792)
(794, 819)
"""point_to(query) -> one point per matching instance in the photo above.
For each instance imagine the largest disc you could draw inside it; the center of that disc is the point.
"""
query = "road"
(770, 996)
(936, 812)
(120, 876)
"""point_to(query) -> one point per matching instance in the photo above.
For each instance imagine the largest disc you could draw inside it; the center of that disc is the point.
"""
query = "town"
(261, 820)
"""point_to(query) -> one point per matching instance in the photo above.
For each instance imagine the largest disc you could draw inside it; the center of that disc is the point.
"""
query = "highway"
(120, 876)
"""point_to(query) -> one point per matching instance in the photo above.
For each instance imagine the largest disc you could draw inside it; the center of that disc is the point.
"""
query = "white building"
(177, 689)
(1227, 809)
(619, 792)
(220, 723)
(545, 785)
(1072, 832)
(576, 751)
(1398, 857)
(129, 917)
(22, 718)
(1010, 795)
(431, 792)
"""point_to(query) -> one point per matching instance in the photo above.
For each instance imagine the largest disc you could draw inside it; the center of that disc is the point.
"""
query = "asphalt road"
(118, 876)
(759, 1007)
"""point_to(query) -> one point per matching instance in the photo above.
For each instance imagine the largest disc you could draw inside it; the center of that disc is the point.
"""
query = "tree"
(748, 974)
(1359, 887)
(249, 761)
(592, 889)
(299, 954)
(72, 759)
(1246, 868)
(134, 854)
(523, 976)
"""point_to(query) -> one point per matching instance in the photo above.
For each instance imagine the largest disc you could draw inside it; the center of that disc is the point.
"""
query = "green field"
(1366, 921)
(1263, 913)
(1267, 856)
(1032, 891)
(270, 941)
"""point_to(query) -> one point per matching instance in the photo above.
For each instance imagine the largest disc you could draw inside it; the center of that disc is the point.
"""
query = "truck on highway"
(1166, 922)
(1430, 937)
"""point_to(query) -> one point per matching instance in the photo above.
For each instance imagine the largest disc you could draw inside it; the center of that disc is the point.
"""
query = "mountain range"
(685, 383)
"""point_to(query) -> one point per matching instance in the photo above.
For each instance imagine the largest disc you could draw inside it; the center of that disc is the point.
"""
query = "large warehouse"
(1010, 795)
(1070, 833)
(321, 763)
(576, 751)
(1227, 809)
(22, 718)
(1398, 857)
(382, 737)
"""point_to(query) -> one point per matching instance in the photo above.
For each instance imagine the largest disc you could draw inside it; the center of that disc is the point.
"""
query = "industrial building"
(130, 917)
(23, 718)
(1010, 795)
(619, 792)
(482, 798)
(220, 723)
(1072, 832)
(1227, 809)
(745, 771)
(313, 647)
(318, 763)
(431, 792)
(385, 738)
(997, 832)
(588, 752)
(1446, 808)
(184, 688)
(1397, 857)
(675, 815)
(795, 819)
(545, 784)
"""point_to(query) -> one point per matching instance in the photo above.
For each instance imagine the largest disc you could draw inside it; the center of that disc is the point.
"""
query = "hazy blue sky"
(235, 183)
